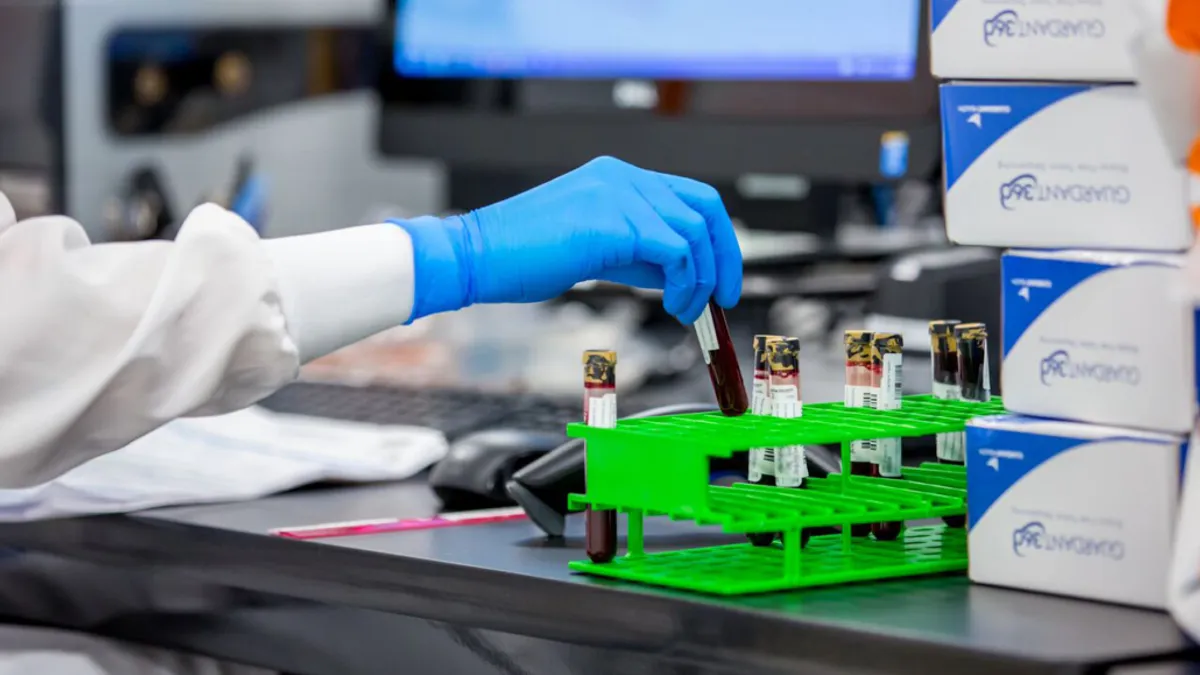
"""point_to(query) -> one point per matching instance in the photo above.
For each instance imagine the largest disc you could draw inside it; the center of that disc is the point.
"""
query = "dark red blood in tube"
(601, 535)
(724, 370)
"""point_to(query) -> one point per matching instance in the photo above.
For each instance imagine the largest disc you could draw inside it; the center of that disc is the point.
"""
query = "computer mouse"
(478, 466)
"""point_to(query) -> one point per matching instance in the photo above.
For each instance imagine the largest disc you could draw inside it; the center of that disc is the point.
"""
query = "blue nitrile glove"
(606, 220)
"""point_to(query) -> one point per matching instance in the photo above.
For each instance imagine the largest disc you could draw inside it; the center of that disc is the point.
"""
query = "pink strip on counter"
(379, 526)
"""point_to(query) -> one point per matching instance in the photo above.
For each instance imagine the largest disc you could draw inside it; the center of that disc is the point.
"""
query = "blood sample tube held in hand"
(721, 358)
(951, 447)
(862, 391)
(600, 410)
(887, 349)
(762, 460)
(791, 463)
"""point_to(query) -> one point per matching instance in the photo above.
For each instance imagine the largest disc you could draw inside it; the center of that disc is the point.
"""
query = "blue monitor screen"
(664, 39)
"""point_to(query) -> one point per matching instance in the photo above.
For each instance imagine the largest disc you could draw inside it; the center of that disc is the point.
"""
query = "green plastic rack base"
(659, 466)
(741, 569)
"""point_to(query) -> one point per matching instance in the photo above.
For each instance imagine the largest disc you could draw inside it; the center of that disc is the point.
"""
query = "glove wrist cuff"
(441, 270)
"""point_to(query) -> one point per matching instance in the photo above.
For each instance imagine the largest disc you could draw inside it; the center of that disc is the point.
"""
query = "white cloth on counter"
(242, 455)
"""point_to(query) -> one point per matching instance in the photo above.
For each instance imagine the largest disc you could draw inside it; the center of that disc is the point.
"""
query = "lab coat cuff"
(341, 286)
(441, 270)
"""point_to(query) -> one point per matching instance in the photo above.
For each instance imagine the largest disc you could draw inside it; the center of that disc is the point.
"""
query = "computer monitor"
(712, 88)
(658, 39)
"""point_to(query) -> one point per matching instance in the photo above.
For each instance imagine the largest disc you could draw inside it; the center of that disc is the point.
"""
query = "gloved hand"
(606, 220)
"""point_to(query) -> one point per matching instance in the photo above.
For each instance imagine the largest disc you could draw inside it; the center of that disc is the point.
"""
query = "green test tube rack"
(659, 466)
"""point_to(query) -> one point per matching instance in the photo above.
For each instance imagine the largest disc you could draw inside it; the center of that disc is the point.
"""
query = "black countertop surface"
(507, 577)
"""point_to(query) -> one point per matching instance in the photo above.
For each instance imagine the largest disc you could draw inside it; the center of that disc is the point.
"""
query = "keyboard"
(455, 412)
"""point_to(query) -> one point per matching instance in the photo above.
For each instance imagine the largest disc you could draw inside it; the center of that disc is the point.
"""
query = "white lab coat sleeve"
(101, 344)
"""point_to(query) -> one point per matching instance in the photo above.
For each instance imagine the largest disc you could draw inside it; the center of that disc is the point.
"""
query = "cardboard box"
(1072, 509)
(1100, 337)
(1038, 40)
(1059, 166)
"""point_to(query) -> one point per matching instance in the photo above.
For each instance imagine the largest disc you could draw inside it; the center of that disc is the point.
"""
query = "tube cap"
(858, 346)
(600, 367)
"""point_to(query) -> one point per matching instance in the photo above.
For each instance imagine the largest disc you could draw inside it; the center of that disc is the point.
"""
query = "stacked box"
(1060, 165)
(1054, 151)
(1058, 507)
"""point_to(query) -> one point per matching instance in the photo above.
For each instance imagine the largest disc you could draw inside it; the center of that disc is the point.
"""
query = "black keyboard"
(454, 412)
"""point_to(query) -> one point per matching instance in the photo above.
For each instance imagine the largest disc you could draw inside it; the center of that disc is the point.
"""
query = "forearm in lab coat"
(102, 344)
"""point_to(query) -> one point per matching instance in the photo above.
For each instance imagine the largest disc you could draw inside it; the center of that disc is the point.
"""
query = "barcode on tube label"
(784, 403)
(760, 404)
(863, 451)
(706, 331)
(762, 463)
(889, 457)
(792, 466)
(870, 399)
(602, 411)
(858, 396)
(891, 388)
(766, 461)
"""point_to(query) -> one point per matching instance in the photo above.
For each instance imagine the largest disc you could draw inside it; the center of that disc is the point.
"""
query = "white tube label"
(864, 451)
(762, 460)
(891, 387)
(602, 411)
(791, 466)
(889, 457)
(706, 331)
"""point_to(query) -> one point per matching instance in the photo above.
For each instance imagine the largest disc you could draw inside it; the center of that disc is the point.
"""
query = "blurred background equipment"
(795, 109)
(125, 114)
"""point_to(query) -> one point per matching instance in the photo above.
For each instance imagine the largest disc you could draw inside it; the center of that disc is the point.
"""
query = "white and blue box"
(1072, 509)
(1100, 337)
(1060, 166)
(1023, 40)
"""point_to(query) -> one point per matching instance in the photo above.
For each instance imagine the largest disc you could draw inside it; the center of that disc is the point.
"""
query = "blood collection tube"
(975, 382)
(723, 369)
(862, 391)
(791, 464)
(951, 447)
(944, 350)
(887, 349)
(762, 460)
(600, 410)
